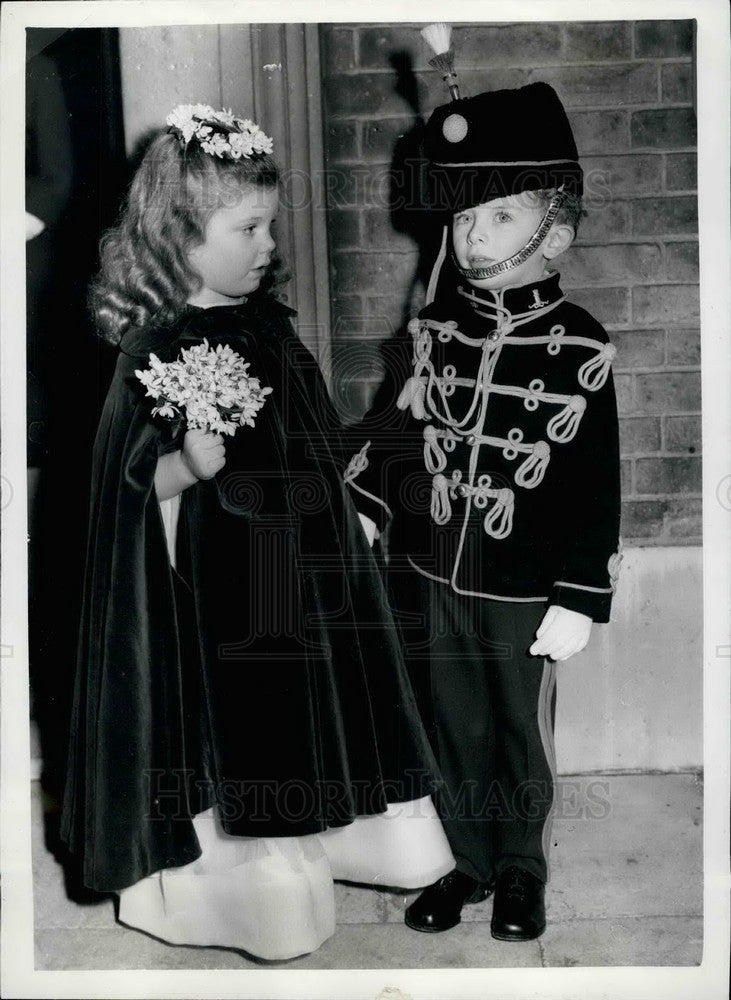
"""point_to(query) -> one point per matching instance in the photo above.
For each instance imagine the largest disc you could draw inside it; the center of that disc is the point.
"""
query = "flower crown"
(219, 133)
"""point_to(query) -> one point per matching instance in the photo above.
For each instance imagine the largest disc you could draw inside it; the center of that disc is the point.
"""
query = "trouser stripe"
(545, 727)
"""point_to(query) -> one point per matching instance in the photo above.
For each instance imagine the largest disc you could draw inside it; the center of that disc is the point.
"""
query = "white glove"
(371, 531)
(561, 634)
(33, 226)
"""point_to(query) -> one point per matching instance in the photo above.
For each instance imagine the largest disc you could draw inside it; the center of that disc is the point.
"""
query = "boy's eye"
(461, 217)
(503, 217)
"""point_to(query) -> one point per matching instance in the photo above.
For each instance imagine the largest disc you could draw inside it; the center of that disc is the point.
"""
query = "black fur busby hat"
(499, 143)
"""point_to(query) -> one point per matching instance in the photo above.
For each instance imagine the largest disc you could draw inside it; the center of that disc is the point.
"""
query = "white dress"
(273, 897)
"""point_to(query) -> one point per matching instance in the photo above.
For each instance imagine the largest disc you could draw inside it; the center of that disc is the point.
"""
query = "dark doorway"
(75, 176)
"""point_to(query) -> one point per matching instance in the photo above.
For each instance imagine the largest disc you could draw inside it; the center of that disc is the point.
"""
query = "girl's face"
(489, 233)
(237, 248)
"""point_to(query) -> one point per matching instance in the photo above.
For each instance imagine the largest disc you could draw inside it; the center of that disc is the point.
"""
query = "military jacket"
(493, 449)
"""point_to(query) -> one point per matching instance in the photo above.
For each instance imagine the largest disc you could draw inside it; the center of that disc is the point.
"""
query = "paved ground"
(626, 889)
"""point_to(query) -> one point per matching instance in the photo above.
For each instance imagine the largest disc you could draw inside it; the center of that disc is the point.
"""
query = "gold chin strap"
(478, 273)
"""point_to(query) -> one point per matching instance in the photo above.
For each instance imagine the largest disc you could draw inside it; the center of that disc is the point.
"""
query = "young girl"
(244, 730)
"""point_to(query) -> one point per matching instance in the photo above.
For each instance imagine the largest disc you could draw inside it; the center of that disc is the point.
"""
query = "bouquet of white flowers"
(210, 388)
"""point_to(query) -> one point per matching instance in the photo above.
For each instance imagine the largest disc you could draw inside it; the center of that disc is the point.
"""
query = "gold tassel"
(441, 509)
(565, 424)
(499, 521)
(533, 469)
(593, 374)
(412, 395)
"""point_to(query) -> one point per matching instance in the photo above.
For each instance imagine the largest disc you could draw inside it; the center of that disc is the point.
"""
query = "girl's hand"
(369, 527)
(203, 453)
(561, 634)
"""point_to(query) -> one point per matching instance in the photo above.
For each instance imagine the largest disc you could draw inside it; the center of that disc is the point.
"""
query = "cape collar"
(258, 303)
(514, 303)
(260, 308)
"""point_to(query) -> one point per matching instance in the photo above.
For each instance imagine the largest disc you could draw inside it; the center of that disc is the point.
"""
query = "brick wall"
(628, 88)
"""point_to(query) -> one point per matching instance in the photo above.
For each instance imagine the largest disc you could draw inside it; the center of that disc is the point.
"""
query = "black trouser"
(489, 708)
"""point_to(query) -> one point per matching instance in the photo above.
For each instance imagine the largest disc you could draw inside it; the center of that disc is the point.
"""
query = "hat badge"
(455, 128)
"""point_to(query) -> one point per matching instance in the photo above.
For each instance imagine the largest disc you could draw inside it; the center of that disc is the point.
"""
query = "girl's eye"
(462, 217)
(503, 217)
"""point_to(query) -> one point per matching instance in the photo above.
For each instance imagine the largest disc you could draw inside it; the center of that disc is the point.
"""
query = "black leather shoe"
(519, 912)
(439, 906)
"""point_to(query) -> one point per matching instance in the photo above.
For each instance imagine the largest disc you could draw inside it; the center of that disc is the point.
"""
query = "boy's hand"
(561, 633)
(203, 453)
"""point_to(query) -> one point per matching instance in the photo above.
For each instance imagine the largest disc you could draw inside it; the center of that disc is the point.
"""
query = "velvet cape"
(262, 673)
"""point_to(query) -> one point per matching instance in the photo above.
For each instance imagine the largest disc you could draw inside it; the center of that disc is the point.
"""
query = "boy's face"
(489, 233)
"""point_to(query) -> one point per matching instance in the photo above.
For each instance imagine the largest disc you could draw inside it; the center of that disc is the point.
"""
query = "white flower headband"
(219, 133)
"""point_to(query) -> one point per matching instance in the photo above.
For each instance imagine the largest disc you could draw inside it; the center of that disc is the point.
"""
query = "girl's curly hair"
(144, 277)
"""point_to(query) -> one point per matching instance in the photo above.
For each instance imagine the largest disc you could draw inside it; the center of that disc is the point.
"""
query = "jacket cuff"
(590, 601)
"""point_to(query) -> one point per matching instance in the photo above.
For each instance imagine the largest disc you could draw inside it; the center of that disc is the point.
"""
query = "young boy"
(497, 466)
